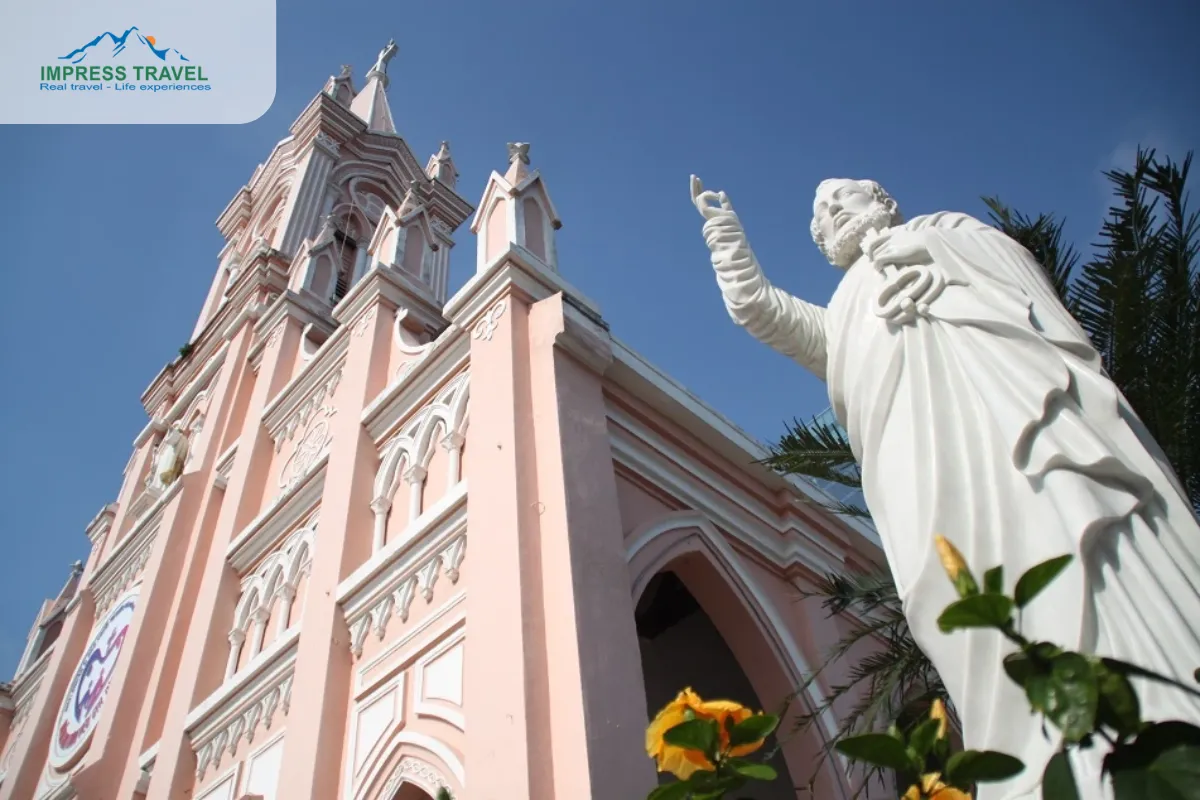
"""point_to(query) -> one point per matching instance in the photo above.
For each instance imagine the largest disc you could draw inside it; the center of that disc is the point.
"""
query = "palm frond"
(1042, 236)
(818, 449)
(894, 681)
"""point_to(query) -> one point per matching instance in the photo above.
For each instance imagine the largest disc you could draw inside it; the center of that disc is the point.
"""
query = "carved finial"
(385, 55)
(346, 70)
(518, 151)
(441, 166)
(77, 567)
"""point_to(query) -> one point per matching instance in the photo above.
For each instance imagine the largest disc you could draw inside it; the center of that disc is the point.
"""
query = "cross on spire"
(385, 55)
(518, 151)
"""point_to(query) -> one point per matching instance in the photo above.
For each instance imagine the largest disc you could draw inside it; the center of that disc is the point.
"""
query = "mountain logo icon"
(132, 45)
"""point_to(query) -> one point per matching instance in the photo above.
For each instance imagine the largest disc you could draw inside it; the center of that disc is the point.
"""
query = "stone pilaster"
(307, 195)
(593, 657)
(204, 643)
(313, 754)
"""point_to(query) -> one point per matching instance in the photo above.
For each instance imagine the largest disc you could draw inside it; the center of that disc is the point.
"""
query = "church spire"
(516, 212)
(441, 167)
(341, 86)
(371, 104)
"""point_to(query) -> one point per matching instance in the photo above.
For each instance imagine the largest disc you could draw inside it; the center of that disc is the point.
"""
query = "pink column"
(205, 630)
(312, 754)
(113, 739)
(593, 659)
(508, 724)
(138, 683)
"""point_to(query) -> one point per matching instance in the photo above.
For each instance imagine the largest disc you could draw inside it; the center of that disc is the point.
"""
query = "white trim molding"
(235, 710)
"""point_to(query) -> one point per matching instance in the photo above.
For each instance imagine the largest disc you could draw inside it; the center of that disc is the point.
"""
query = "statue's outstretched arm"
(788, 324)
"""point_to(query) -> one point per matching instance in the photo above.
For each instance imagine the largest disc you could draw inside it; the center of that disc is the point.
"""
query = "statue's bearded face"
(843, 211)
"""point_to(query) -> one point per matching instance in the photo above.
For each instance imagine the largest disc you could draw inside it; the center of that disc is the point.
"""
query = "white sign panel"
(137, 61)
(85, 696)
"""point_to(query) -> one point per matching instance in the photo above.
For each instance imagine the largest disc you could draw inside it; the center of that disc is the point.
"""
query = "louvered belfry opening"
(347, 253)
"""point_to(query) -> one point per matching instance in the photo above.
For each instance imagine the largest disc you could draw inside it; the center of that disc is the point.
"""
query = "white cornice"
(25, 685)
(432, 546)
(328, 359)
(101, 523)
(394, 289)
(237, 708)
(277, 520)
(293, 305)
(130, 555)
(751, 523)
(444, 360)
(153, 428)
(224, 465)
(303, 395)
(196, 384)
(646, 382)
(515, 267)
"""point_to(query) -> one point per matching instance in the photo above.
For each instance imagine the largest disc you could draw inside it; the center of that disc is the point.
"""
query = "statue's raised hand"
(722, 228)
(709, 204)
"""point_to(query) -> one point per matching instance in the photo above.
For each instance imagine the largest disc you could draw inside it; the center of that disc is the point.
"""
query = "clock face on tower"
(81, 705)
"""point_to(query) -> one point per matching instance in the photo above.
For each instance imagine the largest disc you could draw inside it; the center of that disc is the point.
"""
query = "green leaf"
(1019, 666)
(711, 785)
(753, 729)
(1118, 708)
(753, 770)
(922, 738)
(1125, 668)
(1058, 782)
(1068, 696)
(976, 611)
(1036, 578)
(670, 791)
(993, 580)
(695, 734)
(1172, 774)
(878, 749)
(1132, 759)
(981, 766)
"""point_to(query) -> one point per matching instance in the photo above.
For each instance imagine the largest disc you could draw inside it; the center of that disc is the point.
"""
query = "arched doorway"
(703, 621)
(680, 646)
(411, 792)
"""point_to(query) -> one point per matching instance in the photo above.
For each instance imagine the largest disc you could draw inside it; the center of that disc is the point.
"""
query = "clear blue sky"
(110, 244)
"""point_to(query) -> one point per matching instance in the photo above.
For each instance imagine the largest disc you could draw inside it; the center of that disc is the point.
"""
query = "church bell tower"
(342, 195)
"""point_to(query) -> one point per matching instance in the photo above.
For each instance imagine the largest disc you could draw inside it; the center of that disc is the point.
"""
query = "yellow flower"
(720, 710)
(938, 712)
(955, 566)
(682, 762)
(952, 560)
(932, 788)
(679, 761)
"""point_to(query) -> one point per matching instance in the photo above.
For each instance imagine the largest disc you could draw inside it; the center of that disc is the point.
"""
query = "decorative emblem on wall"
(487, 326)
(364, 322)
(308, 450)
(85, 696)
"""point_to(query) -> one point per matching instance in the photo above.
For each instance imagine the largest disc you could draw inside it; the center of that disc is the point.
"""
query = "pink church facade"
(377, 539)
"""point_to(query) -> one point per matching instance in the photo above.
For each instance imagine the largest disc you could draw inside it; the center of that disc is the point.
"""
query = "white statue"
(170, 457)
(978, 409)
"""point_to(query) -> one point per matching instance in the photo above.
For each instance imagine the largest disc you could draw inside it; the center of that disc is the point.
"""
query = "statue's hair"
(874, 189)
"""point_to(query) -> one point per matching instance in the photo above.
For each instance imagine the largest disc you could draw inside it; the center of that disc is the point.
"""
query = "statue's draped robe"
(992, 422)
